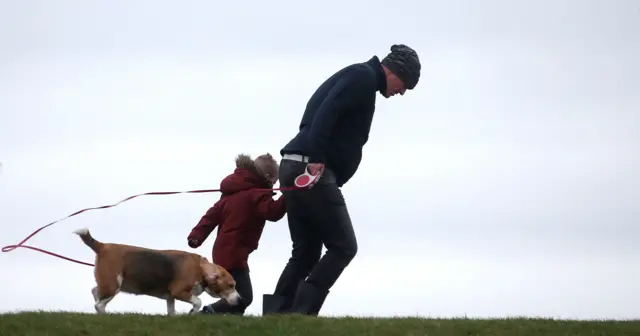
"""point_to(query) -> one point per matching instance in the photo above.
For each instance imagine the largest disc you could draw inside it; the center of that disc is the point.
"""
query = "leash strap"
(10, 248)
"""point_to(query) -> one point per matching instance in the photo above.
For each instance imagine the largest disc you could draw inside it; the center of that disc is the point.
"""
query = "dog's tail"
(85, 235)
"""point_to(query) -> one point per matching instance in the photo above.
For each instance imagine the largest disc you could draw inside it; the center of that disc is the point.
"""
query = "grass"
(73, 324)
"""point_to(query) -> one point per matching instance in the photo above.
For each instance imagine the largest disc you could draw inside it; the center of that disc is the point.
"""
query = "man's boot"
(309, 299)
(274, 304)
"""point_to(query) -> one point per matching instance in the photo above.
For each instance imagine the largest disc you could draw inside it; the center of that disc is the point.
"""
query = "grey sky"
(506, 183)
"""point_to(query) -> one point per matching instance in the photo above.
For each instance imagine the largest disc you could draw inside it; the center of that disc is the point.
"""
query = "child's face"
(271, 177)
(268, 168)
(273, 180)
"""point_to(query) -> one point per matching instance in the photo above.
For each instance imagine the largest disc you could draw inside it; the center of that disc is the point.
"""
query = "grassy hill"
(72, 324)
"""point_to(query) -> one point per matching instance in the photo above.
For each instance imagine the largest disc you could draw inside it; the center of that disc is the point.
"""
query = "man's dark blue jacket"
(336, 122)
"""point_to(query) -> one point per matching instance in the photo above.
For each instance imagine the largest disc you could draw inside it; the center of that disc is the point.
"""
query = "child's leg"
(244, 288)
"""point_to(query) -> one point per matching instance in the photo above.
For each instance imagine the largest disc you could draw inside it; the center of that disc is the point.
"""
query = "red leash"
(10, 248)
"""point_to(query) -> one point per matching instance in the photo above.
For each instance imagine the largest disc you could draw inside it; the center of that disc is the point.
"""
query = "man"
(334, 128)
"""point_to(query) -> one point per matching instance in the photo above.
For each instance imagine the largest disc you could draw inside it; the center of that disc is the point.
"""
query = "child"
(240, 216)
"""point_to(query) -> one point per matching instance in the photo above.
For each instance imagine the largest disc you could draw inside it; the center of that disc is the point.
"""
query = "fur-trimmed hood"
(246, 176)
(244, 161)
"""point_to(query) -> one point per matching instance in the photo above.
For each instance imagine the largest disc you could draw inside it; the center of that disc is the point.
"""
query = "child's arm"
(205, 226)
(270, 209)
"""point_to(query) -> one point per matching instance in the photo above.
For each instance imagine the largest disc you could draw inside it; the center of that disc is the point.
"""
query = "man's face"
(394, 86)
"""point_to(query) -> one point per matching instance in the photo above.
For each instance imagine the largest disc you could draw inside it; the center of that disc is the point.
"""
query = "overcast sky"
(507, 183)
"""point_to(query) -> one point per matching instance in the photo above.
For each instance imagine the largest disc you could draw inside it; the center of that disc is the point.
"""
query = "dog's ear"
(209, 270)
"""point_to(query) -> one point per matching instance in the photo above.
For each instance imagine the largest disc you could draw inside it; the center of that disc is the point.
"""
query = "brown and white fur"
(166, 274)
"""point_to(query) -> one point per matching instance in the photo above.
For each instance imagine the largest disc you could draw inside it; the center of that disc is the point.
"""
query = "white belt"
(296, 157)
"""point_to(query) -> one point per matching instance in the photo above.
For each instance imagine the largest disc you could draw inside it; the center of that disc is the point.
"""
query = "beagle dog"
(166, 274)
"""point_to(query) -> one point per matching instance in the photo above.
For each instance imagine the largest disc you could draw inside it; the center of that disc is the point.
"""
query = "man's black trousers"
(317, 217)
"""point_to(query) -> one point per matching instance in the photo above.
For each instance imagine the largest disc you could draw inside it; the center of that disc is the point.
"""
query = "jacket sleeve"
(344, 93)
(207, 224)
(270, 209)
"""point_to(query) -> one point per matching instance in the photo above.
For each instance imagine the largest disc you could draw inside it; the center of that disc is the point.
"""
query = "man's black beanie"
(404, 63)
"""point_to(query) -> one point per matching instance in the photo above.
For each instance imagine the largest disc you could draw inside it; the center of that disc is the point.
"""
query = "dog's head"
(219, 283)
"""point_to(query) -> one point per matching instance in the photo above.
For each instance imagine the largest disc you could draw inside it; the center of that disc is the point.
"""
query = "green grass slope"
(72, 324)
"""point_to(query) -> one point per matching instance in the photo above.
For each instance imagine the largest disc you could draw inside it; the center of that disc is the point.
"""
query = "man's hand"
(193, 243)
(315, 168)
